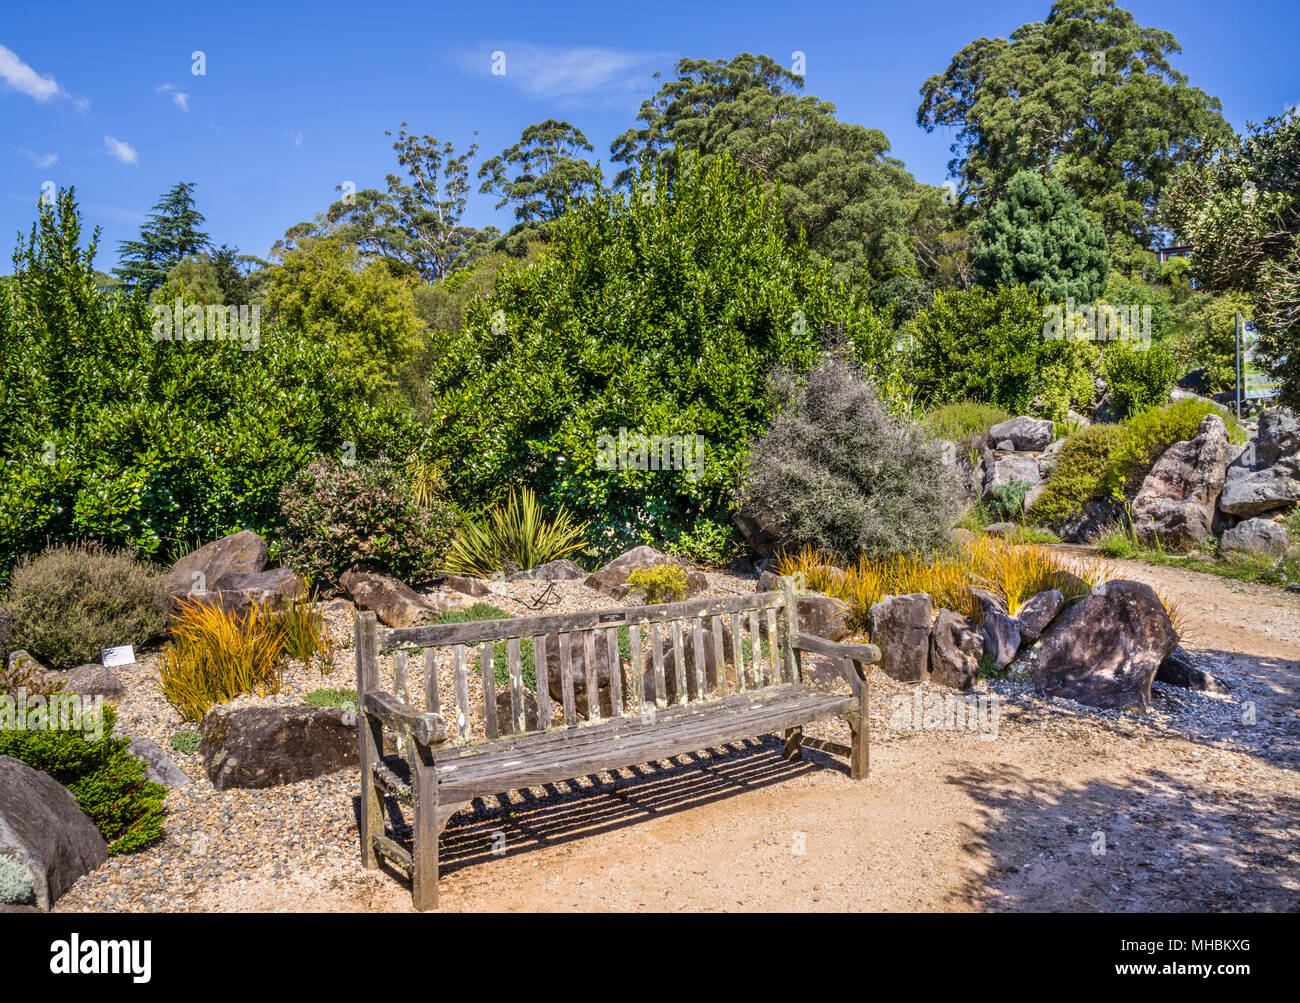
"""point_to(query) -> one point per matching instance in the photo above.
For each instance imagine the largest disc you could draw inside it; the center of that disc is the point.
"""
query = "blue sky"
(296, 97)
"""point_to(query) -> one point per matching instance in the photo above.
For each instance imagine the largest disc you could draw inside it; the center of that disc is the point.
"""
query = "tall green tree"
(1090, 97)
(838, 183)
(170, 232)
(1039, 235)
(542, 173)
(1241, 214)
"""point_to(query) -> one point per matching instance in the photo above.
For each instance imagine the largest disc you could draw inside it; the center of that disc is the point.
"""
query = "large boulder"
(1252, 491)
(1026, 435)
(552, 571)
(394, 602)
(1002, 468)
(199, 570)
(475, 587)
(612, 578)
(1085, 525)
(269, 746)
(505, 720)
(1261, 537)
(1001, 638)
(46, 841)
(93, 680)
(760, 531)
(1180, 669)
(1177, 499)
(1278, 436)
(1105, 649)
(956, 645)
(900, 627)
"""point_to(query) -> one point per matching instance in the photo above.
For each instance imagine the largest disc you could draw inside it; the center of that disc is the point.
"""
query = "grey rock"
(1252, 492)
(1105, 649)
(1001, 529)
(552, 571)
(394, 602)
(199, 570)
(1026, 434)
(1278, 437)
(956, 645)
(92, 680)
(1001, 638)
(577, 653)
(900, 627)
(1180, 669)
(1086, 525)
(1001, 469)
(475, 587)
(1262, 537)
(45, 833)
(157, 764)
(1177, 499)
(1037, 612)
(257, 747)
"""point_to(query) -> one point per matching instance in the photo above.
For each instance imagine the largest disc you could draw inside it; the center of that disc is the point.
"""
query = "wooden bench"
(444, 760)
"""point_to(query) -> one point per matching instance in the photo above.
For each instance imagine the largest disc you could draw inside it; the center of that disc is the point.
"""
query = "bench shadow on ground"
(525, 821)
(1146, 841)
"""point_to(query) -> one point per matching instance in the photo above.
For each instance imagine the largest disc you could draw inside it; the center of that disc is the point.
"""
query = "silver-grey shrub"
(837, 471)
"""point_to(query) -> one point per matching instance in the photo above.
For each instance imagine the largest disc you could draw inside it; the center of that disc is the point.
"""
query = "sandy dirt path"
(1194, 807)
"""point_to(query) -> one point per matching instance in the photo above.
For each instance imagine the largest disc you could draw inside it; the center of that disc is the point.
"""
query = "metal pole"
(1237, 328)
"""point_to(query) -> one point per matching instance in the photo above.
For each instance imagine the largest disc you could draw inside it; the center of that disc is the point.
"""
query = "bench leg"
(424, 830)
(793, 745)
(372, 798)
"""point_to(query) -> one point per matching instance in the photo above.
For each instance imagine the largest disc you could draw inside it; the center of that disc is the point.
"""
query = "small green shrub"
(500, 651)
(1078, 474)
(335, 515)
(70, 601)
(1007, 501)
(659, 582)
(186, 740)
(836, 471)
(1138, 378)
(710, 543)
(344, 699)
(1118, 542)
(108, 782)
(963, 420)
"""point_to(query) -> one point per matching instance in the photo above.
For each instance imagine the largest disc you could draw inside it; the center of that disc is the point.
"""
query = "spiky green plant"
(516, 535)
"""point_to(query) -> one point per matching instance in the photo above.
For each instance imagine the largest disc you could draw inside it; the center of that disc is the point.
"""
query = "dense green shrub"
(660, 582)
(108, 782)
(835, 471)
(71, 601)
(1138, 378)
(990, 347)
(1007, 501)
(1149, 433)
(660, 312)
(963, 420)
(109, 434)
(187, 740)
(334, 515)
(710, 543)
(1078, 474)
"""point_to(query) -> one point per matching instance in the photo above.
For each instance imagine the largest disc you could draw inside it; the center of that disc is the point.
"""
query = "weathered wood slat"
(719, 661)
(592, 680)
(371, 734)
(773, 647)
(397, 855)
(488, 675)
(679, 660)
(543, 682)
(440, 635)
(789, 630)
(424, 727)
(636, 670)
(835, 748)
(431, 701)
(756, 650)
(657, 653)
(566, 681)
(400, 686)
(697, 645)
(461, 681)
(737, 647)
(516, 684)
(615, 670)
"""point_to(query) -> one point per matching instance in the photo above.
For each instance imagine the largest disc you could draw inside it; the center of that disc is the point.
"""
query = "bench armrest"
(425, 728)
(859, 654)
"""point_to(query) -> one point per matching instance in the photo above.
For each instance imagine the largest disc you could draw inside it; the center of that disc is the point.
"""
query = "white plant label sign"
(125, 655)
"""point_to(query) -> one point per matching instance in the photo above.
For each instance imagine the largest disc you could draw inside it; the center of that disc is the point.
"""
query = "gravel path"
(1052, 806)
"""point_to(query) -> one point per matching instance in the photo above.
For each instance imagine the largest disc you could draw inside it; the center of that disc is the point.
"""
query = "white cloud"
(120, 150)
(40, 159)
(22, 77)
(544, 71)
(296, 137)
(179, 98)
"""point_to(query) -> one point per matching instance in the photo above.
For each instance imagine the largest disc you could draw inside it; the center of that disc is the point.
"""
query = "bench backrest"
(752, 633)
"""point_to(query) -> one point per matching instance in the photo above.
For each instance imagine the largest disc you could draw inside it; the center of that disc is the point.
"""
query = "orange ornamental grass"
(1010, 571)
(215, 656)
